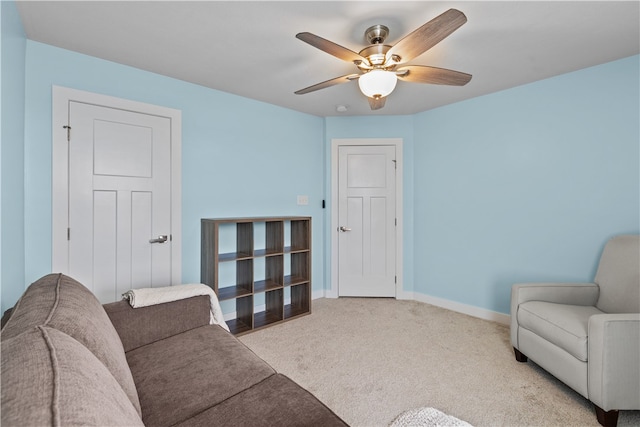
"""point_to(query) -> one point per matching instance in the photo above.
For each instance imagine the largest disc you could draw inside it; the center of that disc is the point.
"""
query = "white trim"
(332, 292)
(405, 295)
(61, 97)
(459, 307)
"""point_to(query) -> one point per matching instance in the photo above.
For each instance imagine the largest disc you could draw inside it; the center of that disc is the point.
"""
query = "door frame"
(332, 292)
(61, 97)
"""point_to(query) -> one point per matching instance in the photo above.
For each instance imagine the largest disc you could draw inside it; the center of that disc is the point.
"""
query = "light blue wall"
(239, 157)
(12, 69)
(526, 184)
(378, 127)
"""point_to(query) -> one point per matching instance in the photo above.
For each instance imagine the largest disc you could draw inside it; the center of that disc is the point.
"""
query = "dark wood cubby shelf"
(286, 295)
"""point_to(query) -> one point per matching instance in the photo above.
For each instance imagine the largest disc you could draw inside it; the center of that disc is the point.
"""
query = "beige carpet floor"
(371, 359)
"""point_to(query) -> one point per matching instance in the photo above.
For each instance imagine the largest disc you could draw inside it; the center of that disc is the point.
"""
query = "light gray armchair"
(587, 334)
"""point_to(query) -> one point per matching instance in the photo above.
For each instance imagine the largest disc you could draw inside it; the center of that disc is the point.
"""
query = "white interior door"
(367, 220)
(116, 175)
(113, 186)
(119, 199)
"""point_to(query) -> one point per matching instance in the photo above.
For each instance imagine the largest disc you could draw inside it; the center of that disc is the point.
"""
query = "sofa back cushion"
(59, 302)
(618, 275)
(49, 378)
(141, 326)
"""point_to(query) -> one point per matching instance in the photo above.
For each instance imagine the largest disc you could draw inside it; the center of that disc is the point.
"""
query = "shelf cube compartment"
(244, 241)
(243, 321)
(300, 235)
(272, 276)
(274, 237)
(234, 240)
(268, 237)
(273, 309)
(300, 270)
(298, 298)
(242, 279)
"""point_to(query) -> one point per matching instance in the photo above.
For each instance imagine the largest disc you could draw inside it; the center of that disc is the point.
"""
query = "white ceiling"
(249, 48)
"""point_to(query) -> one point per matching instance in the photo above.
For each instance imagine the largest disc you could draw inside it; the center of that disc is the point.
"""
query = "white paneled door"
(366, 217)
(119, 191)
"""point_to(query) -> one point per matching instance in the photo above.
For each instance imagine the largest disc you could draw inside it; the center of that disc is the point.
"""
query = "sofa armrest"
(559, 293)
(614, 361)
(141, 326)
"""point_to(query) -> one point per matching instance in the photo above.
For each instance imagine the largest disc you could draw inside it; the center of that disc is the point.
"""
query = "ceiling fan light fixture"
(377, 83)
(377, 62)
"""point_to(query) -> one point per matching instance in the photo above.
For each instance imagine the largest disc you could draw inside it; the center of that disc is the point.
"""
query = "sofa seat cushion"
(276, 401)
(564, 325)
(49, 378)
(59, 302)
(188, 373)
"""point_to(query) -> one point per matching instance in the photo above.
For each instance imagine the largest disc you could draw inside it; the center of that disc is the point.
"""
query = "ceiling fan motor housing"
(375, 53)
(376, 34)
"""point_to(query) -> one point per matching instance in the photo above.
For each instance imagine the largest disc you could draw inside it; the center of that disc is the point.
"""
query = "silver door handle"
(161, 239)
(342, 228)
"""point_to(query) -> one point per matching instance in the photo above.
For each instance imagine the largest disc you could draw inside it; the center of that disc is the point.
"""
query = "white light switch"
(303, 200)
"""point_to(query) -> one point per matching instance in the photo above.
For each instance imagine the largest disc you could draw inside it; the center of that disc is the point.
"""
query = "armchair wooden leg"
(607, 418)
(519, 356)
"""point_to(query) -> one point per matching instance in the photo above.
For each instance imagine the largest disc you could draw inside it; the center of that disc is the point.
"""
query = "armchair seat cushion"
(563, 325)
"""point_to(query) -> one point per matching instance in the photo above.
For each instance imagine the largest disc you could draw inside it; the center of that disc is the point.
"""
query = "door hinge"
(396, 220)
(395, 164)
(395, 279)
(68, 128)
(68, 233)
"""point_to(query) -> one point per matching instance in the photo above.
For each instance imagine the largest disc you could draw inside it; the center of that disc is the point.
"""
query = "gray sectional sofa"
(68, 360)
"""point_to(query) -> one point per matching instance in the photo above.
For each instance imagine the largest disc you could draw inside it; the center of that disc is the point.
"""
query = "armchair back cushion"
(618, 275)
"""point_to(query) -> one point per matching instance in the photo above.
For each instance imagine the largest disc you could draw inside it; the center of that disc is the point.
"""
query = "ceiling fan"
(379, 63)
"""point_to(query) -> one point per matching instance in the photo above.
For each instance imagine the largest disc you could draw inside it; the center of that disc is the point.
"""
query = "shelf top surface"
(260, 219)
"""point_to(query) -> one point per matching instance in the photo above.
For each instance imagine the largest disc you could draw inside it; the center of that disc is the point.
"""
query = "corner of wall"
(12, 80)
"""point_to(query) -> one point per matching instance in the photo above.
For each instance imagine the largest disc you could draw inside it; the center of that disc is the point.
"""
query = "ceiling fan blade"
(332, 48)
(427, 36)
(433, 75)
(328, 83)
(376, 103)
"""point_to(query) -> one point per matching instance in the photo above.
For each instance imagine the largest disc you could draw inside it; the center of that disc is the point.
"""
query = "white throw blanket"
(150, 296)
(427, 417)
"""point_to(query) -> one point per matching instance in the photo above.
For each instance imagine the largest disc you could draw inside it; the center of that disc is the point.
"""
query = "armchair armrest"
(614, 361)
(141, 326)
(559, 293)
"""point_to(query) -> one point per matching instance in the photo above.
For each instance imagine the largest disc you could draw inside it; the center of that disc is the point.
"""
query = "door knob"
(161, 239)
(342, 228)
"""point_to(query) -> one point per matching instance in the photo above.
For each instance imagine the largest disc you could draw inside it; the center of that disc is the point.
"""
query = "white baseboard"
(404, 295)
(331, 293)
(470, 310)
(481, 313)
